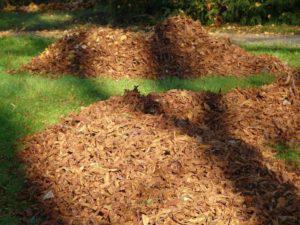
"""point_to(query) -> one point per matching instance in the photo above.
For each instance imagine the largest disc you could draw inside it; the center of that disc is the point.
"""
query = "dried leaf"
(145, 219)
(48, 195)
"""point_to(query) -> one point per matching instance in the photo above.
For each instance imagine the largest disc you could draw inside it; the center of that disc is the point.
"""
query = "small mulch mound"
(179, 46)
(179, 157)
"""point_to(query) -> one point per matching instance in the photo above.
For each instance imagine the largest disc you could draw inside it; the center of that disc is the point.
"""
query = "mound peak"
(179, 46)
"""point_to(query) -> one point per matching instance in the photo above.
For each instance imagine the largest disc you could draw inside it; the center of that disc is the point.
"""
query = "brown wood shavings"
(179, 47)
(179, 157)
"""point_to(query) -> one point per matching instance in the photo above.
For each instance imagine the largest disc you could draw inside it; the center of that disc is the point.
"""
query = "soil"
(179, 157)
(179, 47)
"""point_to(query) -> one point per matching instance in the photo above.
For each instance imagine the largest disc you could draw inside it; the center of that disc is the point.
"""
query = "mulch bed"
(179, 157)
(179, 46)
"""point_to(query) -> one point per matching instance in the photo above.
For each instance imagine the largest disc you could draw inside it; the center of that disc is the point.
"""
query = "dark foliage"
(207, 11)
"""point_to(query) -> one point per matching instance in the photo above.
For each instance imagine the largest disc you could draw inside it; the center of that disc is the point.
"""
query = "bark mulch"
(179, 46)
(179, 157)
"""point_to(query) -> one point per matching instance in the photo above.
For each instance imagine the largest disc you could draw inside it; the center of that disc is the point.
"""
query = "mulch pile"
(179, 46)
(179, 157)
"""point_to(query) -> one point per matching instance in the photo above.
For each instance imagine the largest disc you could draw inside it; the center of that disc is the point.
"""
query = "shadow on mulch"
(266, 194)
(239, 160)
(267, 197)
(242, 163)
(179, 47)
(18, 204)
(15, 206)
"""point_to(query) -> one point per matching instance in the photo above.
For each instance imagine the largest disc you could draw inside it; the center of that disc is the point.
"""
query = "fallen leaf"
(145, 219)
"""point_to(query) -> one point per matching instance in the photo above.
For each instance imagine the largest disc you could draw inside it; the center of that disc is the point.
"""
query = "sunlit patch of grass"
(15, 50)
(287, 53)
(55, 17)
(41, 101)
(269, 28)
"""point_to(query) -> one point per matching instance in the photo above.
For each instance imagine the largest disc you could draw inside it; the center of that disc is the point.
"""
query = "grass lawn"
(101, 15)
(270, 28)
(29, 103)
(61, 20)
(288, 54)
(23, 21)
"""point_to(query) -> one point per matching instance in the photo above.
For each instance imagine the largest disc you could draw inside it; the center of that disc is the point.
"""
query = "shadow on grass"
(61, 20)
(13, 183)
(21, 21)
(16, 207)
(11, 176)
(17, 204)
(89, 92)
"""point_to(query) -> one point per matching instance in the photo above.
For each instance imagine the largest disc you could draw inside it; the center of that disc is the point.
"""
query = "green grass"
(288, 54)
(274, 26)
(32, 21)
(281, 28)
(102, 15)
(61, 20)
(269, 28)
(30, 103)
(290, 154)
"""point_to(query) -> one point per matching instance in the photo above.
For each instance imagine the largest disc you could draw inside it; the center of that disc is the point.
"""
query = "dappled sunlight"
(157, 151)
(198, 154)
(55, 17)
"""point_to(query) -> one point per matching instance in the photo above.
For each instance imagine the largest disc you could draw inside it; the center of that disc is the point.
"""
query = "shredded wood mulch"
(179, 46)
(179, 157)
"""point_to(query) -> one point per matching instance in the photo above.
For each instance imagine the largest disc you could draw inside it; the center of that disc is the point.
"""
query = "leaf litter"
(178, 157)
(179, 46)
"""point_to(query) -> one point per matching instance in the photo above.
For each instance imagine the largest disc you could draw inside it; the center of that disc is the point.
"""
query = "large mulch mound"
(179, 157)
(179, 46)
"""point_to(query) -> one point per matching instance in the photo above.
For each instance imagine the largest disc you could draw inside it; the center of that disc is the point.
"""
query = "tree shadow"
(100, 15)
(15, 205)
(21, 199)
(11, 179)
(267, 196)
(268, 199)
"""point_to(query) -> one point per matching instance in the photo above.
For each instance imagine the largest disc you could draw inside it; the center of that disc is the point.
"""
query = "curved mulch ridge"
(179, 47)
(179, 157)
